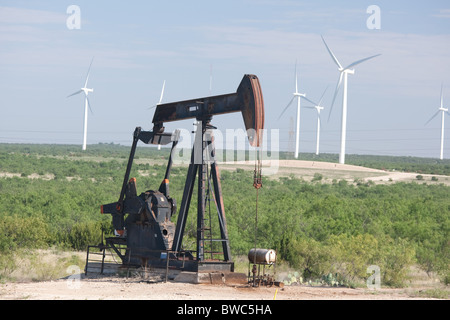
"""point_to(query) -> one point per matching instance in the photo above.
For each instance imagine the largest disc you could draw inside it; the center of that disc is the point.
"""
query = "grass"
(43, 265)
(435, 293)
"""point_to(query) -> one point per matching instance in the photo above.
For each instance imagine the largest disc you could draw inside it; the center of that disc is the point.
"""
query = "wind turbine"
(343, 72)
(442, 110)
(159, 102)
(86, 91)
(297, 96)
(318, 108)
(161, 97)
(162, 92)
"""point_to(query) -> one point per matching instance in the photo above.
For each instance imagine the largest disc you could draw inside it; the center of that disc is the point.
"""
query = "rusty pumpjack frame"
(248, 99)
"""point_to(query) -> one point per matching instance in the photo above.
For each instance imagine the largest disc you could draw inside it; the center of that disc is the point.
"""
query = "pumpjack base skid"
(183, 261)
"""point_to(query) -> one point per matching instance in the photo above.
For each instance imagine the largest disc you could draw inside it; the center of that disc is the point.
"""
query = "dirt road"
(124, 289)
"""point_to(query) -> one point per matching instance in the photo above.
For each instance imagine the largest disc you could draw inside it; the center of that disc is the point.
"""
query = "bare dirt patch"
(306, 170)
(111, 288)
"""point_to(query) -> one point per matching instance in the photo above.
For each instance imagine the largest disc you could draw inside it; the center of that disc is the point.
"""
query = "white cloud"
(277, 46)
(443, 13)
(11, 15)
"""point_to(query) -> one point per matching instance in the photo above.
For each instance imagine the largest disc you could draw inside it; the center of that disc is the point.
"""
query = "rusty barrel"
(262, 256)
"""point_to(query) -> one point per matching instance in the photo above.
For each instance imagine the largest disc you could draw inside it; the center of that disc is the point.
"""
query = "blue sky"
(139, 44)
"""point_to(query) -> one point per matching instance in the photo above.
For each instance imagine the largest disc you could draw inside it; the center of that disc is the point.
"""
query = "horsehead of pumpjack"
(248, 99)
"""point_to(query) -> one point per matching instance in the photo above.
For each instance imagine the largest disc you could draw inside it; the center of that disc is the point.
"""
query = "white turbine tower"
(318, 108)
(443, 111)
(297, 96)
(343, 72)
(86, 91)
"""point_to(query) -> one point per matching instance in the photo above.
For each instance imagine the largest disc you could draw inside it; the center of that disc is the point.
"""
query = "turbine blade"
(75, 93)
(296, 81)
(335, 93)
(310, 101)
(162, 92)
(323, 94)
(434, 116)
(361, 61)
(89, 104)
(287, 107)
(89, 70)
(332, 54)
(442, 98)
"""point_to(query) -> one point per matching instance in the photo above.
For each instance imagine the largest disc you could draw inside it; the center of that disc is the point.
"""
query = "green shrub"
(307, 255)
(344, 259)
(84, 234)
(18, 233)
(395, 259)
(16, 237)
(351, 255)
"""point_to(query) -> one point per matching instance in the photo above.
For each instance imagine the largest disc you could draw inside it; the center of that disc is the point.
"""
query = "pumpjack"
(143, 223)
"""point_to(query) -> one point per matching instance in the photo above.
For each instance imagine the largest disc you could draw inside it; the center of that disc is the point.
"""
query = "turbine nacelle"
(318, 108)
(315, 105)
(348, 71)
(87, 90)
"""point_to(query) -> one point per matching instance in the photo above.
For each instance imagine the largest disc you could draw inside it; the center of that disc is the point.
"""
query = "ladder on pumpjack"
(211, 243)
